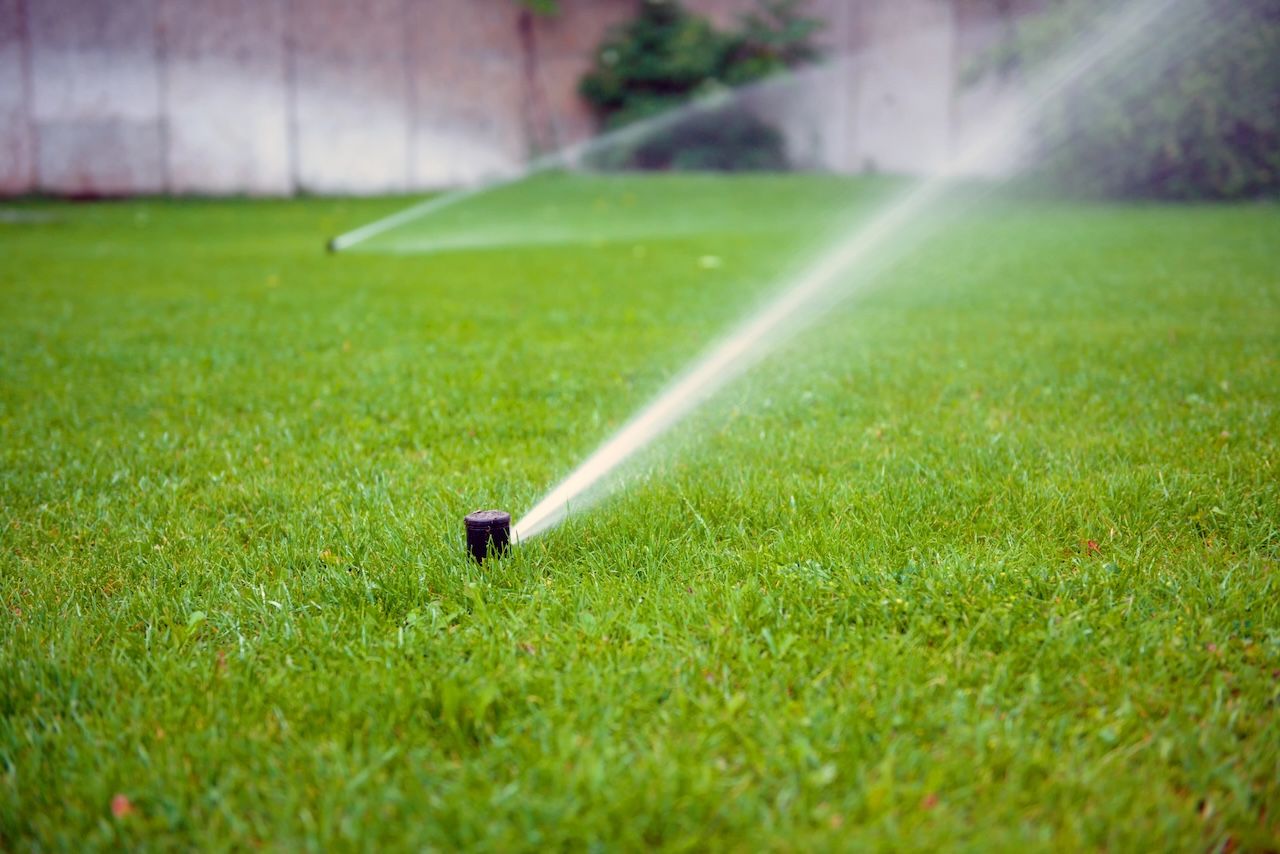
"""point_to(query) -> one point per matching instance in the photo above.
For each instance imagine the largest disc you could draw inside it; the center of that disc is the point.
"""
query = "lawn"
(987, 559)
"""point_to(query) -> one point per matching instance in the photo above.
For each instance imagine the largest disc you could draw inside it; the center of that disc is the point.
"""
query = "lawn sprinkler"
(488, 533)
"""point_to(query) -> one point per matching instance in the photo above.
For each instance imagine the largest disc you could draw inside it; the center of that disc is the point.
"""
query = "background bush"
(1192, 111)
(668, 56)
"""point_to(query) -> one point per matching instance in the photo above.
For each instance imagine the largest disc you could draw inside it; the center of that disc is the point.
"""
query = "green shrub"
(713, 139)
(668, 56)
(777, 36)
(1192, 111)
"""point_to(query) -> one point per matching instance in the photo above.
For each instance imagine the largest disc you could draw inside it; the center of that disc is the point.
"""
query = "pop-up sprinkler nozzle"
(488, 533)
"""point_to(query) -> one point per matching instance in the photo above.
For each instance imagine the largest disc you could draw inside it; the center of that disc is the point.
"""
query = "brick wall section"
(361, 96)
(465, 89)
(567, 45)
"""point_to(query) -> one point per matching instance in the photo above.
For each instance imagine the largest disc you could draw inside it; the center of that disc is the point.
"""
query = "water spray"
(581, 152)
(841, 270)
(844, 268)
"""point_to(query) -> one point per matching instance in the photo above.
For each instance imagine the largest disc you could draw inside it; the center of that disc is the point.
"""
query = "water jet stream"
(840, 271)
(579, 153)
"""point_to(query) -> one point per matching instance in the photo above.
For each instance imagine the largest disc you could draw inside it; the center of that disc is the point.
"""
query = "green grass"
(988, 559)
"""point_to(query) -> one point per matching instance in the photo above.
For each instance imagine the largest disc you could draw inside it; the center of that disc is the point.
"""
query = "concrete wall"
(904, 86)
(974, 104)
(95, 96)
(356, 96)
(226, 103)
(466, 91)
(17, 163)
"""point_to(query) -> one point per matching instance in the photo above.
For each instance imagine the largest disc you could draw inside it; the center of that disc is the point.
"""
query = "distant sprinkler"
(488, 534)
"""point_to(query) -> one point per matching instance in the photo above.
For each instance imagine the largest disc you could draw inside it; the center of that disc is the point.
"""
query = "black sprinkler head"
(488, 533)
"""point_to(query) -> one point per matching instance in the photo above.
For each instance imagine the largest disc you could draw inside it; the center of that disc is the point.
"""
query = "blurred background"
(106, 97)
(276, 97)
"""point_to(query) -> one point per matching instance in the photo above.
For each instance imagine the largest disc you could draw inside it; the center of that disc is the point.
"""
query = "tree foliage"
(541, 7)
(1192, 110)
(668, 55)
